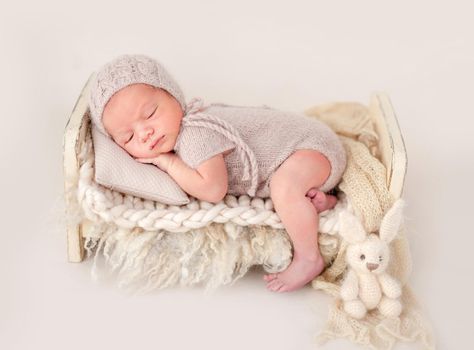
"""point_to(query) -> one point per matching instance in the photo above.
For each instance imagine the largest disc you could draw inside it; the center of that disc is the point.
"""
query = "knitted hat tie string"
(195, 117)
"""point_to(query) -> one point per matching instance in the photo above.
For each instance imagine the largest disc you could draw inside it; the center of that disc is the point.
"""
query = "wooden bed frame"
(391, 145)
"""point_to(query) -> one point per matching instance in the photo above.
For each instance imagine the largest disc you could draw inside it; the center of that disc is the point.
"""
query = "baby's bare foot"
(301, 271)
(320, 200)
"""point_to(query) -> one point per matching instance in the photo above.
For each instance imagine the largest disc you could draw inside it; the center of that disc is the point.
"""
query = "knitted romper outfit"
(259, 139)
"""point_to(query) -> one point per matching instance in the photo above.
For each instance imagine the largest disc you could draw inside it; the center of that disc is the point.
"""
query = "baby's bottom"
(292, 189)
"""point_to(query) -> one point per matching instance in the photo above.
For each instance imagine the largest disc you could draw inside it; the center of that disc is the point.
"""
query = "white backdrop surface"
(287, 55)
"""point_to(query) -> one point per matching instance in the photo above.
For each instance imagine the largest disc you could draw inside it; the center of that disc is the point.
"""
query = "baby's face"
(138, 115)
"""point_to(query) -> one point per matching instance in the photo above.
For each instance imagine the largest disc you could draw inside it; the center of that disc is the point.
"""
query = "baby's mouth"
(156, 142)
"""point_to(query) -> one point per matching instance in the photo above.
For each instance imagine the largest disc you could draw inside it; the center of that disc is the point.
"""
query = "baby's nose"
(146, 134)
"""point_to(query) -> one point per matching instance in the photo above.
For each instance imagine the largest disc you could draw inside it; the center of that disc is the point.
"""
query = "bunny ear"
(351, 228)
(392, 220)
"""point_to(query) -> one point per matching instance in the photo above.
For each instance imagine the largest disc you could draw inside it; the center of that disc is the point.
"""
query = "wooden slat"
(392, 146)
(74, 134)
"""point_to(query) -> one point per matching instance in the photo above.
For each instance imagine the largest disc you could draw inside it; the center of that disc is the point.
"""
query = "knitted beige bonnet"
(123, 71)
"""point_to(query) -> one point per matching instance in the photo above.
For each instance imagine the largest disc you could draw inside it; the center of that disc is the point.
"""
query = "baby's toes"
(284, 288)
(332, 201)
(270, 277)
(312, 192)
(275, 284)
(320, 197)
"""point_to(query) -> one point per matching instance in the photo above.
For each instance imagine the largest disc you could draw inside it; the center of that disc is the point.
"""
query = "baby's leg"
(288, 188)
(301, 221)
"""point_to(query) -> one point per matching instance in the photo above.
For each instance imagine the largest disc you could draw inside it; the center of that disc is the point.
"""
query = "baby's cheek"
(137, 153)
(169, 144)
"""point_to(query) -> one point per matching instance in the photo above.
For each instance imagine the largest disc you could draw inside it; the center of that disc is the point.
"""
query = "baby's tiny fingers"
(144, 160)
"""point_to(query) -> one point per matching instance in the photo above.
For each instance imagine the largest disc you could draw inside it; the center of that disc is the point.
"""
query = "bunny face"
(370, 256)
(370, 253)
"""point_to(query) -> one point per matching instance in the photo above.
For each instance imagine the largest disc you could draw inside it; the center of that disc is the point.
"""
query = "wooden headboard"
(391, 145)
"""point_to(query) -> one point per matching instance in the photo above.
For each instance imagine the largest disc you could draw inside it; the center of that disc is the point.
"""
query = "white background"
(290, 55)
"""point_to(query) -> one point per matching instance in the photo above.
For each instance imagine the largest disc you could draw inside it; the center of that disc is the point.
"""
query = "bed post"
(391, 144)
(74, 136)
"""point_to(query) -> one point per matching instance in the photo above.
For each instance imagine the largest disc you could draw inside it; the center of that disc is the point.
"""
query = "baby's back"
(273, 135)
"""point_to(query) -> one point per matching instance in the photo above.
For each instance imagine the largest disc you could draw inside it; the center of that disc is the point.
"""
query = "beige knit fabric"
(125, 70)
(260, 139)
(365, 187)
(116, 169)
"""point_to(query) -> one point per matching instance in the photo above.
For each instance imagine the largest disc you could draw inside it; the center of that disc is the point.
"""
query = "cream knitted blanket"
(218, 244)
(365, 186)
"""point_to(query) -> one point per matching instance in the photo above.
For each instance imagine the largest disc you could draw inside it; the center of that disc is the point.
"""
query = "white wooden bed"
(391, 146)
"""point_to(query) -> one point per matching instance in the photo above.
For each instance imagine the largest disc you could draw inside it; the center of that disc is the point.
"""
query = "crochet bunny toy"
(367, 286)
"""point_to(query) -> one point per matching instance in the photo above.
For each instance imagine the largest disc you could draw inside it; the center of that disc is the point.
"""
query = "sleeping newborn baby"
(214, 150)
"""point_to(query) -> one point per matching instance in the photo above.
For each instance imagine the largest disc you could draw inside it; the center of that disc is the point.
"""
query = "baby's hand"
(163, 161)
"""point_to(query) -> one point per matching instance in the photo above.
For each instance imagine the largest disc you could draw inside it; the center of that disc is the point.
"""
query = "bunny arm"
(350, 286)
(390, 286)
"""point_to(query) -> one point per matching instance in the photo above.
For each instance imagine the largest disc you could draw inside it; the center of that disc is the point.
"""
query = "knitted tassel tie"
(195, 117)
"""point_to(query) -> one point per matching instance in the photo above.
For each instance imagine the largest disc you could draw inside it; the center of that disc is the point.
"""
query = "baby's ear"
(351, 228)
(391, 222)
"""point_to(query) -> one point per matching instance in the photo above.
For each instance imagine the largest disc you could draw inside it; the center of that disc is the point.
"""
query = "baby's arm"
(208, 182)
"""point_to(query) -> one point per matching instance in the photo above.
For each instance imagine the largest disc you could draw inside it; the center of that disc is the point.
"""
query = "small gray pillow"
(117, 170)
